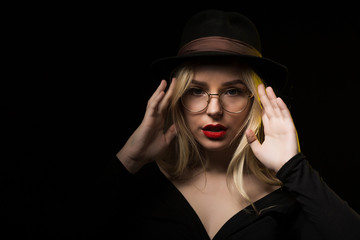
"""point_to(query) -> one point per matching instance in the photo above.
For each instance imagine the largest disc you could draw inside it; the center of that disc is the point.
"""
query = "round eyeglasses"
(233, 100)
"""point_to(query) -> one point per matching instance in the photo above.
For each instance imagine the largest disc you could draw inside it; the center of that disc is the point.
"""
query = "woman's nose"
(214, 108)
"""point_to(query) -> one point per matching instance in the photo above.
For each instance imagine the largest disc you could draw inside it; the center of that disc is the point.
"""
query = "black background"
(77, 82)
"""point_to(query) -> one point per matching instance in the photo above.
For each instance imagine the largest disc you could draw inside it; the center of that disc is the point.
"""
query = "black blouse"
(148, 206)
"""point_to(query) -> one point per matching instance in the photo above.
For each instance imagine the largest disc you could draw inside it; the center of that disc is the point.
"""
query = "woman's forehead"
(205, 73)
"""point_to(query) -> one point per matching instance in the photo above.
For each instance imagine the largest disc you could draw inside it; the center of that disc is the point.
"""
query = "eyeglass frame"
(221, 104)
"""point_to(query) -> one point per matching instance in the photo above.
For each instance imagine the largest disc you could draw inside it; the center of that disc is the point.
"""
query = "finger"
(170, 134)
(160, 88)
(265, 120)
(153, 106)
(165, 102)
(283, 108)
(268, 108)
(273, 100)
(252, 141)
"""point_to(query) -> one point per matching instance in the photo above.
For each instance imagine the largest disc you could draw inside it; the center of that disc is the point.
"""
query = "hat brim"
(272, 73)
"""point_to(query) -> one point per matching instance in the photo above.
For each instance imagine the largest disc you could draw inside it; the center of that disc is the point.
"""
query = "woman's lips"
(214, 131)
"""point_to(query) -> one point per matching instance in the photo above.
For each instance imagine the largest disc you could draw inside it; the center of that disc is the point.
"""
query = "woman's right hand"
(149, 140)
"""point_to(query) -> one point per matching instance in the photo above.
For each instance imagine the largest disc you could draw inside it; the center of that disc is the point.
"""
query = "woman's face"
(214, 128)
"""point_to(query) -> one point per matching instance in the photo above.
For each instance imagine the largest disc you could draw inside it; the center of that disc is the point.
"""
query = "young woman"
(216, 155)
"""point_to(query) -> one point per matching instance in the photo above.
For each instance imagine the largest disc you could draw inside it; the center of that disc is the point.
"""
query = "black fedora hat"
(219, 34)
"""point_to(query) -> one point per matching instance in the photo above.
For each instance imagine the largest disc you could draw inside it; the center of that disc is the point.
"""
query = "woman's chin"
(214, 145)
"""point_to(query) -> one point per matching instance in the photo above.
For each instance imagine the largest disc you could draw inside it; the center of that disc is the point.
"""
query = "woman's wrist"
(131, 165)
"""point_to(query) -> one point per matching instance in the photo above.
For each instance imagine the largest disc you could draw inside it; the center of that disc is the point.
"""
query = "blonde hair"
(185, 153)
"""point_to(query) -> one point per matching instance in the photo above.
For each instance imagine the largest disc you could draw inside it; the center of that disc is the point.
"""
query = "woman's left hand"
(281, 141)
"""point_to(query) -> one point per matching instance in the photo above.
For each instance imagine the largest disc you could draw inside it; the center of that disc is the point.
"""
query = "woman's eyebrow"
(232, 82)
(199, 82)
(237, 81)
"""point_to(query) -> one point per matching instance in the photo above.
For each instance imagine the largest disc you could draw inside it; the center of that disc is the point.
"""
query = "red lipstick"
(214, 131)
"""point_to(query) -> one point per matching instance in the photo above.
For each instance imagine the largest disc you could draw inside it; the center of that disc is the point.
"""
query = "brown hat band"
(218, 44)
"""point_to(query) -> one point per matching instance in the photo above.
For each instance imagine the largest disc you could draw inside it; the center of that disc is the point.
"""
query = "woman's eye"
(234, 92)
(195, 91)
